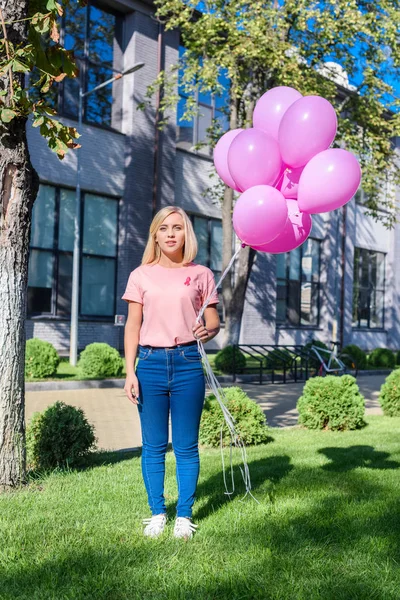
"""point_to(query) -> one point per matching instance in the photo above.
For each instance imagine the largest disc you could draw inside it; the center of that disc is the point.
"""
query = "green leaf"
(19, 67)
(7, 115)
(37, 122)
(5, 66)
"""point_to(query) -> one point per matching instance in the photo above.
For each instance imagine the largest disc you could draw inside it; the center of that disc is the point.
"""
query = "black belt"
(194, 343)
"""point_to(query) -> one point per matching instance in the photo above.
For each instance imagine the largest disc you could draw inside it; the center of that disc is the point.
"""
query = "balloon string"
(280, 179)
(219, 394)
(217, 285)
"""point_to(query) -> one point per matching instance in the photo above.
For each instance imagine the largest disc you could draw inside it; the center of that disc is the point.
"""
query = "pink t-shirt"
(172, 299)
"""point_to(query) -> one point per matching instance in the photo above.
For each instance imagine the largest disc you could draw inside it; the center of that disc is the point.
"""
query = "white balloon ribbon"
(218, 391)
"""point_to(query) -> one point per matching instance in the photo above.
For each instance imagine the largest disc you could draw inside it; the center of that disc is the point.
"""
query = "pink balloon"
(295, 233)
(259, 215)
(220, 156)
(288, 181)
(254, 159)
(308, 126)
(328, 181)
(271, 107)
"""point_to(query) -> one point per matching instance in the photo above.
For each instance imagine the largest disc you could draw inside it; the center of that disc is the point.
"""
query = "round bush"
(389, 396)
(100, 360)
(224, 360)
(250, 420)
(331, 402)
(41, 359)
(278, 358)
(382, 357)
(357, 354)
(58, 437)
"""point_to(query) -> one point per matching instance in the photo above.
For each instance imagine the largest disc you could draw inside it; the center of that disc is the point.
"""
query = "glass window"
(73, 28)
(200, 226)
(216, 246)
(102, 26)
(209, 238)
(368, 289)
(90, 32)
(64, 284)
(294, 265)
(50, 270)
(67, 218)
(100, 226)
(42, 233)
(184, 127)
(98, 283)
(210, 108)
(204, 123)
(297, 297)
(73, 37)
(281, 266)
(40, 281)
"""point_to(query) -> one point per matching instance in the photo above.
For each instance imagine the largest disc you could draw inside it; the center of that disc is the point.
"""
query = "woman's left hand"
(201, 333)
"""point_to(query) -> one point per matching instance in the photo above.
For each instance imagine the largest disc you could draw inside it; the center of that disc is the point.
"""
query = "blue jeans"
(170, 380)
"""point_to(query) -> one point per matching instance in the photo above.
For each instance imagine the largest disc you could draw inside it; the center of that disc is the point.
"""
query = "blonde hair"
(152, 252)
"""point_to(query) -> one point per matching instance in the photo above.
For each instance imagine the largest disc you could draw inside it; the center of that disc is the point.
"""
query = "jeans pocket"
(191, 354)
(144, 353)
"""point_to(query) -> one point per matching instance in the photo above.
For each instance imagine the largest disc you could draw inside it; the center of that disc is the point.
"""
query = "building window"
(369, 289)
(51, 248)
(90, 32)
(190, 133)
(209, 237)
(298, 283)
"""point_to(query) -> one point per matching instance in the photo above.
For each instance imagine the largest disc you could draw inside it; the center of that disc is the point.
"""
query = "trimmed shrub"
(250, 420)
(382, 357)
(41, 359)
(224, 360)
(278, 358)
(356, 353)
(100, 360)
(331, 402)
(389, 395)
(58, 437)
(316, 343)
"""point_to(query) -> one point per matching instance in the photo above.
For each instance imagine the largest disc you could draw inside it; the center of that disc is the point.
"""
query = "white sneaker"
(184, 528)
(155, 525)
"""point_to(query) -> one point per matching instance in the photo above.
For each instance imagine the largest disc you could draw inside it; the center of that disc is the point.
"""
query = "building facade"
(343, 282)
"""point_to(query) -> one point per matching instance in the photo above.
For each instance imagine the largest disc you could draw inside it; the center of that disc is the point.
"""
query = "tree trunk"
(233, 295)
(18, 189)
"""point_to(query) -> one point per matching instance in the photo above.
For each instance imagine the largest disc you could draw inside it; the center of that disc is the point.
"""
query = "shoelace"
(154, 524)
(184, 526)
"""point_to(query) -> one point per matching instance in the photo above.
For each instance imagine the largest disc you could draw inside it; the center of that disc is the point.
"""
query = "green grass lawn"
(327, 526)
(66, 372)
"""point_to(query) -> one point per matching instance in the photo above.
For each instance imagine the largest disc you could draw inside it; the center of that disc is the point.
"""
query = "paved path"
(116, 420)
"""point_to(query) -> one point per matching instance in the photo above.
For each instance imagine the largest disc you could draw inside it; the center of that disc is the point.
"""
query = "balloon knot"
(244, 245)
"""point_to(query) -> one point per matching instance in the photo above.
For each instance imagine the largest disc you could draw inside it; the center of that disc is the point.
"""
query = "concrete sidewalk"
(116, 419)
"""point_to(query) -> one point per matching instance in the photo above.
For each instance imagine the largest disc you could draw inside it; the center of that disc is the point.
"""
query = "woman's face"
(171, 235)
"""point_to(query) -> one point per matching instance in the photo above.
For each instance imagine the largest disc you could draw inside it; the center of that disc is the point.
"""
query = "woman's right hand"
(131, 388)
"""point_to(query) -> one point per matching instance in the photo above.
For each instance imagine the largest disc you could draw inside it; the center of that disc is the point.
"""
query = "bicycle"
(334, 362)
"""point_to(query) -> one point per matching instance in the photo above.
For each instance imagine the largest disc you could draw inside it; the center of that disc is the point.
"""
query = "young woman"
(165, 295)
